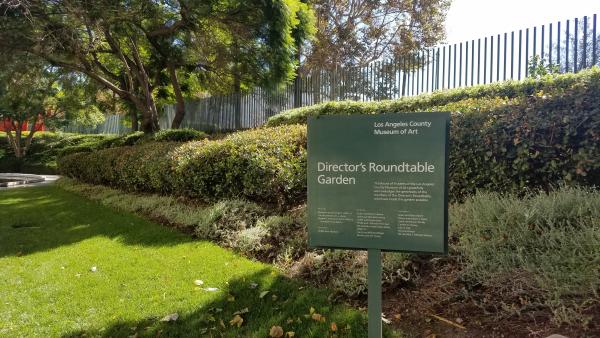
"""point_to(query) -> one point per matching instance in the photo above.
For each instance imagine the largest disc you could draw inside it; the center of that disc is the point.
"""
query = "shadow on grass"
(42, 218)
(287, 304)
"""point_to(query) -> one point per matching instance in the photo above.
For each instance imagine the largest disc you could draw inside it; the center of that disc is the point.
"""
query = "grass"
(50, 239)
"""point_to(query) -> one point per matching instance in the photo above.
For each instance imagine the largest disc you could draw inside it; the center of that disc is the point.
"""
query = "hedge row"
(507, 136)
(266, 165)
(502, 144)
(550, 85)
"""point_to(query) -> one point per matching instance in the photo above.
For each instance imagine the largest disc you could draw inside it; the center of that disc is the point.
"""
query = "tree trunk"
(180, 104)
(237, 99)
(135, 124)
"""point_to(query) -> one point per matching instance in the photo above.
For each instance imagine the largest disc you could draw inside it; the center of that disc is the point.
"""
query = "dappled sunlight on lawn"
(77, 268)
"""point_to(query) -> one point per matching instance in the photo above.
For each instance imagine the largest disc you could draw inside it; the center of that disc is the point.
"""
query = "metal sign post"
(374, 289)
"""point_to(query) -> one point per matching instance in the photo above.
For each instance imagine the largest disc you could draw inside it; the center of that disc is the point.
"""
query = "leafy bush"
(540, 133)
(553, 85)
(225, 218)
(179, 135)
(345, 271)
(552, 241)
(533, 133)
(266, 165)
(130, 139)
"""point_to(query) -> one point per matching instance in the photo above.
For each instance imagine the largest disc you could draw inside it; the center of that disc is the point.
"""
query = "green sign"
(379, 181)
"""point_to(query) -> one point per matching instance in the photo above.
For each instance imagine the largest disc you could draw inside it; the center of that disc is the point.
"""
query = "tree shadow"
(42, 218)
(287, 304)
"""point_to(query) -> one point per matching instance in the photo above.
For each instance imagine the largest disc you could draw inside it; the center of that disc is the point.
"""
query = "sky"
(471, 19)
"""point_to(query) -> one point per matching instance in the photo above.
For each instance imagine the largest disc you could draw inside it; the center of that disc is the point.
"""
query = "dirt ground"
(439, 304)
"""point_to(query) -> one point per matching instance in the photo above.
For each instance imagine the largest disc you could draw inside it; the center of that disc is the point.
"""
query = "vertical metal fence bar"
(512, 55)
(520, 50)
(526, 52)
(466, 63)
(427, 76)
(594, 38)
(542, 42)
(550, 47)
(534, 51)
(567, 48)
(454, 68)
(422, 71)
(443, 65)
(575, 45)
(505, 53)
(472, 61)
(478, 60)
(498, 59)
(460, 66)
(584, 53)
(485, 43)
(492, 59)
(411, 63)
(558, 45)
(437, 67)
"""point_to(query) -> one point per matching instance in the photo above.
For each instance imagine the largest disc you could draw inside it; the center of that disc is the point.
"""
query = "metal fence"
(111, 125)
(570, 45)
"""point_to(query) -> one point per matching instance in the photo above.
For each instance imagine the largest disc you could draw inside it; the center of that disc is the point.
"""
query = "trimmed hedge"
(551, 84)
(266, 165)
(547, 137)
(508, 136)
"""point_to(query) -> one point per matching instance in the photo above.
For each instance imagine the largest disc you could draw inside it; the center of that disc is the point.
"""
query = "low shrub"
(505, 137)
(224, 219)
(265, 165)
(551, 84)
(179, 135)
(547, 241)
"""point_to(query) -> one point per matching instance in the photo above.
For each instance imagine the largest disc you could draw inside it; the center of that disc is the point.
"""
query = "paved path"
(48, 179)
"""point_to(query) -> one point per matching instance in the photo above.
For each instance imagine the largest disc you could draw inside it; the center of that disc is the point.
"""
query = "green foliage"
(255, 232)
(226, 217)
(552, 241)
(179, 135)
(538, 67)
(505, 137)
(345, 271)
(45, 148)
(555, 86)
(266, 165)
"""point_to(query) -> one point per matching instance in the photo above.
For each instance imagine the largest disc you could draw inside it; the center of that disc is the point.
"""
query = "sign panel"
(379, 181)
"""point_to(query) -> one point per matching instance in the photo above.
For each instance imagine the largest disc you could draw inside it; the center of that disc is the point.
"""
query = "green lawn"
(50, 239)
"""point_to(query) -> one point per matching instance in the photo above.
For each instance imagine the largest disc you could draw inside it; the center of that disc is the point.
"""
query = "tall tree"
(357, 32)
(129, 46)
(33, 92)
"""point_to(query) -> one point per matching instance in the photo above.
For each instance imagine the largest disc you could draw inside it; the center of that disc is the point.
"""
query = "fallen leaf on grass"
(318, 317)
(242, 311)
(94, 269)
(263, 294)
(333, 327)
(170, 318)
(276, 331)
(290, 334)
(237, 320)
(199, 282)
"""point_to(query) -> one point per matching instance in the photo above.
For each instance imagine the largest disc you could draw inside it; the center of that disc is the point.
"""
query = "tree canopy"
(137, 48)
(34, 92)
(357, 32)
